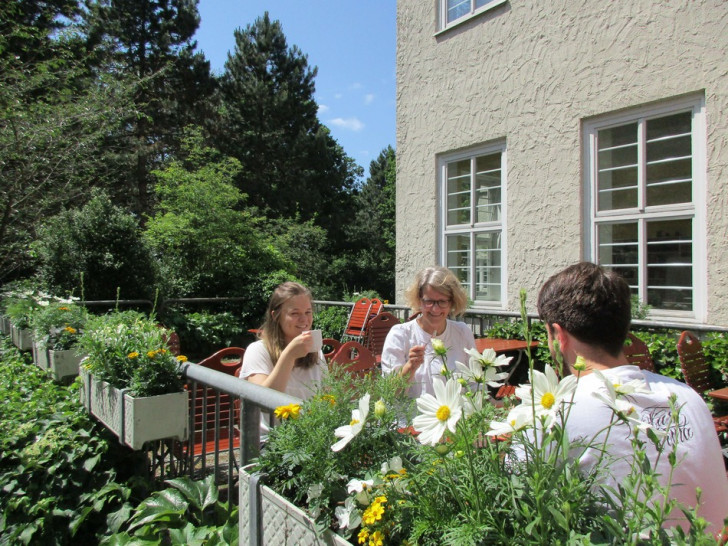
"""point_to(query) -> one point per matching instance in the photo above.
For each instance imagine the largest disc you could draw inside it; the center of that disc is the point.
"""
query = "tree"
(373, 231)
(292, 165)
(152, 40)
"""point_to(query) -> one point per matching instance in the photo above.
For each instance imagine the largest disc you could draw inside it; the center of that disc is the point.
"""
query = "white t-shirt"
(457, 337)
(701, 460)
(303, 381)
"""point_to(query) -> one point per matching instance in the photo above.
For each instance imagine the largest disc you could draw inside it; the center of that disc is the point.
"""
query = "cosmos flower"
(546, 393)
(438, 413)
(358, 418)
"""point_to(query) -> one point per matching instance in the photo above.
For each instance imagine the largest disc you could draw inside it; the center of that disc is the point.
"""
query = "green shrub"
(101, 244)
(331, 320)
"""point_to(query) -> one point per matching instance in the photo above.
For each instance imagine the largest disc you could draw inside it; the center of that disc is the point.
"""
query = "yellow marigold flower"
(182, 358)
(329, 398)
(70, 329)
(152, 354)
(63, 309)
(162, 351)
(290, 411)
(133, 354)
(377, 539)
(373, 514)
(363, 535)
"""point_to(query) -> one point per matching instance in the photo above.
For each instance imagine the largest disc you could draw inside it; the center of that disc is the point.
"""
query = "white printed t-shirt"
(701, 460)
(457, 337)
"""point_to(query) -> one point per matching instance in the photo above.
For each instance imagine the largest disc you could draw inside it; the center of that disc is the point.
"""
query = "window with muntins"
(453, 12)
(645, 174)
(472, 189)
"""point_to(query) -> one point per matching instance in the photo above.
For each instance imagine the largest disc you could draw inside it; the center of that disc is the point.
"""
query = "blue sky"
(351, 42)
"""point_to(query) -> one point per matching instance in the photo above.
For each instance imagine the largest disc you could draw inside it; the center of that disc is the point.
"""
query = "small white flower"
(546, 393)
(392, 465)
(349, 515)
(314, 491)
(488, 358)
(616, 399)
(475, 372)
(361, 488)
(438, 413)
(519, 418)
(358, 418)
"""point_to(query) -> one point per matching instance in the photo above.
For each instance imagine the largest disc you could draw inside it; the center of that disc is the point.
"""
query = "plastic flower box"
(22, 338)
(135, 420)
(281, 522)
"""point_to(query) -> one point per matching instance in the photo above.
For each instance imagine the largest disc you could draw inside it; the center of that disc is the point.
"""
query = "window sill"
(465, 18)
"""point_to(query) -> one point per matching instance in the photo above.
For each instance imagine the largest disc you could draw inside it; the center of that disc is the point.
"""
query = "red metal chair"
(356, 359)
(638, 353)
(357, 321)
(696, 371)
(377, 331)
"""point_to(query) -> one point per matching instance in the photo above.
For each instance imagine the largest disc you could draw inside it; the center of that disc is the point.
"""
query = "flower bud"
(380, 408)
(580, 364)
(439, 347)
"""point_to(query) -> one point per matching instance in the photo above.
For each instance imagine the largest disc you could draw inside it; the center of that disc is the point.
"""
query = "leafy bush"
(59, 325)
(62, 477)
(97, 249)
(202, 333)
(331, 320)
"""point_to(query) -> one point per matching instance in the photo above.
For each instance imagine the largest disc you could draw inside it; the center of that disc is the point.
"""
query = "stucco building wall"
(530, 73)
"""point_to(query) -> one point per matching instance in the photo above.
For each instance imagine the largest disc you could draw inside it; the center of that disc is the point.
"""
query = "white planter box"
(22, 338)
(136, 420)
(64, 364)
(281, 523)
(5, 325)
(40, 356)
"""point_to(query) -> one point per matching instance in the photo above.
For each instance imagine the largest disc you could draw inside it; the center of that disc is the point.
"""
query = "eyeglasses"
(435, 303)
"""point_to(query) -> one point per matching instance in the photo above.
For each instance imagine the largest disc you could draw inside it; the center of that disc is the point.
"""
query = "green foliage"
(331, 321)
(207, 245)
(128, 350)
(58, 325)
(663, 350)
(202, 333)
(298, 452)
(58, 477)
(188, 512)
(99, 243)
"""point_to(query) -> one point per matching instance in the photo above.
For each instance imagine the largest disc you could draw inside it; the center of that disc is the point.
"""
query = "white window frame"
(442, 23)
(475, 227)
(696, 210)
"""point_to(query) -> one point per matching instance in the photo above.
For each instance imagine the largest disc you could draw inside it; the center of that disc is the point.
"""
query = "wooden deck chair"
(330, 347)
(638, 353)
(357, 322)
(205, 425)
(377, 330)
(696, 371)
(355, 358)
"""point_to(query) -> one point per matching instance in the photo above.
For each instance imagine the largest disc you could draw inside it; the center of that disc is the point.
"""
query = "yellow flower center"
(547, 400)
(354, 422)
(443, 414)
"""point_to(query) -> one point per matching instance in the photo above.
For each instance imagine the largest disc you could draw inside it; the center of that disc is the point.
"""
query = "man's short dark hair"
(591, 303)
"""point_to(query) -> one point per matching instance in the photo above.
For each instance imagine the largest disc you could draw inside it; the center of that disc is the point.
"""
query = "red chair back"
(355, 359)
(377, 331)
(692, 362)
(358, 318)
(638, 353)
(331, 347)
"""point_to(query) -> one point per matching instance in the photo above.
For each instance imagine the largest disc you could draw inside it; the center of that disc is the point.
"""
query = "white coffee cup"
(317, 340)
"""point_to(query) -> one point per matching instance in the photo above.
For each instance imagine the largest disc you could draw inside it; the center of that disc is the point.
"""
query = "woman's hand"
(300, 345)
(415, 359)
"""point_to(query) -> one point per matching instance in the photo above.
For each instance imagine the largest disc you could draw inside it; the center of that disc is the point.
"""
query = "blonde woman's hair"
(271, 332)
(443, 280)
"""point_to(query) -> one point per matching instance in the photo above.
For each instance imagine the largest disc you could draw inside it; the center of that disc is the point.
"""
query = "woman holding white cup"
(288, 356)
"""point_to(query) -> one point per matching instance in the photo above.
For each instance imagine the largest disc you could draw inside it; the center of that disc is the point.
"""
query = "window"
(472, 219)
(455, 11)
(646, 181)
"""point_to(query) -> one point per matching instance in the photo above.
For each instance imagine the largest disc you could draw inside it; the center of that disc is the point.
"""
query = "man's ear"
(560, 335)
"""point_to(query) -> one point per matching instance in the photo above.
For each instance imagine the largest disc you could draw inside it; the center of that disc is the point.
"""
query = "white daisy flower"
(488, 358)
(616, 399)
(349, 515)
(546, 393)
(519, 418)
(358, 418)
(475, 372)
(438, 413)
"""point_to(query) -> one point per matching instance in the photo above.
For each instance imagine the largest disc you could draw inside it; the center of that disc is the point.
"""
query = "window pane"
(458, 258)
(487, 267)
(619, 250)
(669, 264)
(457, 9)
(458, 192)
(488, 188)
(669, 160)
(617, 167)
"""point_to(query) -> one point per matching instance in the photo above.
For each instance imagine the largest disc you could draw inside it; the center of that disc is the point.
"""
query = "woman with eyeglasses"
(436, 294)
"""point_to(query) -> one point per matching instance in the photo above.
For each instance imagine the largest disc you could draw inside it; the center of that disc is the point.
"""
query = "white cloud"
(323, 108)
(353, 124)
(369, 98)
(338, 95)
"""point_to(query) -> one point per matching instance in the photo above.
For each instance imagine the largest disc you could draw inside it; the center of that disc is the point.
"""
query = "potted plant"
(19, 311)
(57, 327)
(131, 380)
